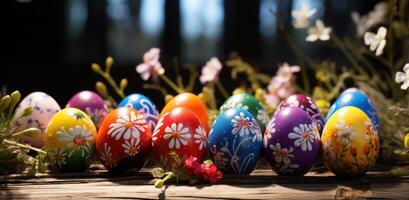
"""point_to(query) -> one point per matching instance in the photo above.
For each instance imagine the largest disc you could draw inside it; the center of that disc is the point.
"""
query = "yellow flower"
(407, 141)
(321, 75)
(323, 105)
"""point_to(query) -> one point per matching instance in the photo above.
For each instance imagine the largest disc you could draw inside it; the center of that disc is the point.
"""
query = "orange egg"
(192, 102)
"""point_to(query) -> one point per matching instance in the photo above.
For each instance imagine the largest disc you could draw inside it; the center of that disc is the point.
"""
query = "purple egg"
(305, 103)
(291, 142)
(91, 103)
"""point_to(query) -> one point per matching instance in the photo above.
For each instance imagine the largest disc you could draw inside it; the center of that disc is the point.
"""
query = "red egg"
(192, 102)
(124, 140)
(179, 133)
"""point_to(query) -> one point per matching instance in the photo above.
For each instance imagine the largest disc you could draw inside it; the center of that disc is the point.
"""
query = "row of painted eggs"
(45, 107)
(296, 135)
(291, 141)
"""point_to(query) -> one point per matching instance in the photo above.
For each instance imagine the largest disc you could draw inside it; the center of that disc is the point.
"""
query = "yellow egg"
(350, 143)
(70, 140)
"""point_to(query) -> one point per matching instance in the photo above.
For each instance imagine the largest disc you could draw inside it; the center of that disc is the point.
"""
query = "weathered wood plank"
(261, 184)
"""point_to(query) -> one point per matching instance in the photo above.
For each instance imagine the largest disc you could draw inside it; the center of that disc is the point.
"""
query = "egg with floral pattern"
(291, 142)
(249, 103)
(91, 103)
(350, 143)
(235, 141)
(178, 135)
(357, 99)
(70, 140)
(124, 140)
(44, 108)
(144, 105)
(194, 103)
(305, 103)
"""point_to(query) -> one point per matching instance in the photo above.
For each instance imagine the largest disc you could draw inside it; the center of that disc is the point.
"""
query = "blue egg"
(144, 105)
(357, 99)
(235, 141)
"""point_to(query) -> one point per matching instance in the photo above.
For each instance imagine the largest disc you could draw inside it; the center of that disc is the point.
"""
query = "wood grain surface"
(263, 183)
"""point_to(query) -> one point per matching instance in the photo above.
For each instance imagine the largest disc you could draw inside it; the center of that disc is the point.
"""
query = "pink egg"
(44, 108)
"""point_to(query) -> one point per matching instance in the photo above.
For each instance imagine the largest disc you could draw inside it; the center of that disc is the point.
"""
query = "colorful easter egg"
(305, 103)
(124, 140)
(249, 103)
(44, 108)
(235, 141)
(144, 105)
(350, 144)
(180, 134)
(291, 142)
(70, 140)
(357, 99)
(192, 102)
(91, 103)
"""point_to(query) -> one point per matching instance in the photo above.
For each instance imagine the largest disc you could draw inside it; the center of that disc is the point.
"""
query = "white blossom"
(302, 15)
(319, 32)
(376, 42)
(403, 77)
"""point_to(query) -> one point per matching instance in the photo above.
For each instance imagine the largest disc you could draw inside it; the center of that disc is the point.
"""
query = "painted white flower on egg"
(345, 132)
(200, 137)
(106, 157)
(241, 124)
(79, 138)
(282, 155)
(303, 136)
(131, 147)
(127, 126)
(177, 135)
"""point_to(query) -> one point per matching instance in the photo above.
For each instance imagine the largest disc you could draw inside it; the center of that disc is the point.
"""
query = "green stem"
(111, 81)
(222, 90)
(299, 56)
(178, 77)
(171, 84)
(212, 98)
(156, 87)
(24, 146)
(344, 50)
(339, 85)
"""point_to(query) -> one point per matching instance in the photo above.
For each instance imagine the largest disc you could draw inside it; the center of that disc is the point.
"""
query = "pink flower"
(281, 85)
(204, 171)
(151, 65)
(285, 72)
(210, 71)
(212, 174)
(192, 166)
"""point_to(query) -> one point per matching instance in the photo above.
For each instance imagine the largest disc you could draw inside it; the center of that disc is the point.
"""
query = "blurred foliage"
(14, 156)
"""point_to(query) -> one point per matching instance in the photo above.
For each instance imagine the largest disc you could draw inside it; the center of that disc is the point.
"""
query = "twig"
(24, 146)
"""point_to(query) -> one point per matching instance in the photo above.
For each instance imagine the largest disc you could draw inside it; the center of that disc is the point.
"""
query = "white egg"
(44, 108)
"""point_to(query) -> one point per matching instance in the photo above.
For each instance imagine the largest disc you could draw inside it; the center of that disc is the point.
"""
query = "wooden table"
(261, 184)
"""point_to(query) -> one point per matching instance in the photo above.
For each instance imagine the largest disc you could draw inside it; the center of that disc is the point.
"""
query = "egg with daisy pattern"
(124, 140)
(250, 104)
(235, 141)
(178, 135)
(70, 140)
(291, 142)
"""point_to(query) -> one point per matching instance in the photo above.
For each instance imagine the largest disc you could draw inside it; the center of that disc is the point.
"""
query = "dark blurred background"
(48, 45)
